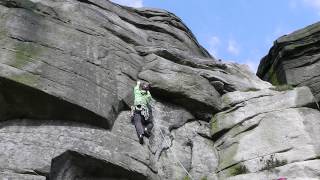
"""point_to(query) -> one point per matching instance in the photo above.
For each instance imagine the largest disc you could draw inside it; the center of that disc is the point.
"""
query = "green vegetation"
(214, 125)
(284, 87)
(273, 76)
(3, 33)
(228, 159)
(26, 78)
(273, 163)
(238, 169)
(25, 53)
(226, 100)
(186, 178)
(204, 178)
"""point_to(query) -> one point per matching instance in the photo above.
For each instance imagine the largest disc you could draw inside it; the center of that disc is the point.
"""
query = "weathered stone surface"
(18, 176)
(181, 84)
(91, 56)
(265, 129)
(294, 59)
(178, 138)
(246, 105)
(67, 69)
(31, 144)
(306, 170)
(236, 77)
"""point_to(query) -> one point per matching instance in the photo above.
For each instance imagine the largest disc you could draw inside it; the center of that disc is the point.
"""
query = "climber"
(141, 110)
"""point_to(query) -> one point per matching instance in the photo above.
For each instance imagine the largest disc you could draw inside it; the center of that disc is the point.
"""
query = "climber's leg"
(147, 129)
(137, 120)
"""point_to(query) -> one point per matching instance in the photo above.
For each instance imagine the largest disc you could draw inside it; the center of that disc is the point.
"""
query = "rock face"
(294, 59)
(263, 130)
(67, 70)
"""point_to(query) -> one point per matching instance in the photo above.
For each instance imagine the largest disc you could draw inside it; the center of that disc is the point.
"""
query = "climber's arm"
(149, 97)
(137, 88)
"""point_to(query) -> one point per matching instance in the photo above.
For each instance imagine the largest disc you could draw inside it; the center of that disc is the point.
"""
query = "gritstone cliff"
(67, 69)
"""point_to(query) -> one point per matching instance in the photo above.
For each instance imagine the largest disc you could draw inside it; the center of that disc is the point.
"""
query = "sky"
(239, 31)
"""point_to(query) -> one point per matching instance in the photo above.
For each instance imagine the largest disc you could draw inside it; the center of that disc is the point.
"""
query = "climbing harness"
(174, 156)
(144, 110)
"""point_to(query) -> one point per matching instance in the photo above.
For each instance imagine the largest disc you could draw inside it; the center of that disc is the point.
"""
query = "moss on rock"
(25, 53)
(228, 159)
(27, 79)
(284, 87)
(237, 170)
(214, 125)
(273, 76)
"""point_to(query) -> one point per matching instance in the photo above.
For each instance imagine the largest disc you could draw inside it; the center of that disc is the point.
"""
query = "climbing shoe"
(141, 139)
(146, 132)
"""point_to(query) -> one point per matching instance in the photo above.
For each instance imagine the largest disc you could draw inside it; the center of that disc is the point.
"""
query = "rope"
(316, 102)
(174, 156)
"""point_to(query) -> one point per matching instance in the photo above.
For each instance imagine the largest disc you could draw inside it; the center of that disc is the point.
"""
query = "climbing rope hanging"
(174, 155)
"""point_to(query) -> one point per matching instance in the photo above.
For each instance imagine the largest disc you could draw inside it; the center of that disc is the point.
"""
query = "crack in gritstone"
(23, 171)
(250, 159)
(142, 162)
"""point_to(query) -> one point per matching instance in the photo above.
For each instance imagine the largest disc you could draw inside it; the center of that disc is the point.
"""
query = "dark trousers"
(140, 123)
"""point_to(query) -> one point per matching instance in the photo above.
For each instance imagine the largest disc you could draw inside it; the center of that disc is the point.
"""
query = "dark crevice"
(151, 27)
(312, 159)
(129, 76)
(179, 59)
(71, 165)
(205, 136)
(234, 164)
(91, 3)
(249, 99)
(219, 134)
(189, 143)
(285, 150)
(226, 87)
(88, 33)
(30, 172)
(19, 101)
(124, 38)
(246, 130)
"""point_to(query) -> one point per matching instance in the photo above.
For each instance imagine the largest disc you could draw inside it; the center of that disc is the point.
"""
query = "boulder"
(245, 105)
(32, 144)
(294, 60)
(72, 165)
(263, 130)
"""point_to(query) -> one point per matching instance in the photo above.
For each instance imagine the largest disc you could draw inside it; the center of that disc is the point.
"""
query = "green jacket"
(139, 97)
